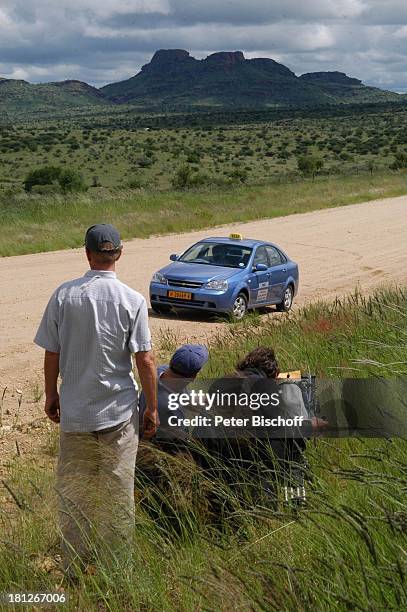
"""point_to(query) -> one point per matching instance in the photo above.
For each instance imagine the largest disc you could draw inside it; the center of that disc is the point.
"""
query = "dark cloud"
(100, 41)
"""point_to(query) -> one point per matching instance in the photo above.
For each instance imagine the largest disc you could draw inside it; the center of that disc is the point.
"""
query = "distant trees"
(309, 165)
(67, 180)
(187, 177)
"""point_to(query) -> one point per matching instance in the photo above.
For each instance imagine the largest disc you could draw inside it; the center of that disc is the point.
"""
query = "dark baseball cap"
(100, 233)
(189, 359)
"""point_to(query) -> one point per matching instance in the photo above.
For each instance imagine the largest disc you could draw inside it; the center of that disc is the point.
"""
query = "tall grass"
(350, 337)
(344, 551)
(34, 223)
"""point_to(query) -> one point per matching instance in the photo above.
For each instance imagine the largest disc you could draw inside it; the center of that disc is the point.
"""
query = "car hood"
(199, 272)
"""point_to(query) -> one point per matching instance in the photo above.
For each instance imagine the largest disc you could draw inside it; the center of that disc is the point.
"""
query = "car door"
(258, 282)
(277, 274)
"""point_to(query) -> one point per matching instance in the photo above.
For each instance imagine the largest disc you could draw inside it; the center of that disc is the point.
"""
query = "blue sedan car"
(226, 275)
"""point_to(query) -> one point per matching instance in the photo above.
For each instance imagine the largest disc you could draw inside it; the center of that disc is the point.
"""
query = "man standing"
(90, 328)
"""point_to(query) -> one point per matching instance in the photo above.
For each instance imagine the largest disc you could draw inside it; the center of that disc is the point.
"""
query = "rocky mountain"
(227, 79)
(346, 89)
(222, 79)
(174, 79)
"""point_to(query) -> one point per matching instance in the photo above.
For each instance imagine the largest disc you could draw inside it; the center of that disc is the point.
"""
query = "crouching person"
(185, 365)
(168, 454)
(288, 450)
(259, 453)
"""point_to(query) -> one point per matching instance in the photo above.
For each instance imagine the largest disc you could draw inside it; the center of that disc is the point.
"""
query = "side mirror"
(174, 257)
(260, 268)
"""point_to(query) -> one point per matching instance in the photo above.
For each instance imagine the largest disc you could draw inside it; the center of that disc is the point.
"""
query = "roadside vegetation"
(123, 148)
(344, 551)
(34, 223)
(161, 173)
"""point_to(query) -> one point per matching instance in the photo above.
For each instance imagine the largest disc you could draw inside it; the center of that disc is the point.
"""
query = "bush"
(68, 180)
(186, 178)
(71, 181)
(135, 183)
(309, 165)
(181, 177)
(145, 162)
(400, 161)
(199, 179)
(239, 175)
(42, 176)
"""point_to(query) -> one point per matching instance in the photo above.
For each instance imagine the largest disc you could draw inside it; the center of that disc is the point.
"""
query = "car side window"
(260, 256)
(274, 256)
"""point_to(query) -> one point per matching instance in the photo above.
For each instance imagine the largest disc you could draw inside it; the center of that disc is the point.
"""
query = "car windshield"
(218, 254)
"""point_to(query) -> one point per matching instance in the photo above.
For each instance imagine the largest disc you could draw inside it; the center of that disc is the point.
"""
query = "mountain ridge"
(18, 95)
(175, 79)
(226, 78)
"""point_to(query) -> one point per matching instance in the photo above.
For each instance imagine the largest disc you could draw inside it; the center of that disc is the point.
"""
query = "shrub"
(400, 161)
(182, 177)
(145, 162)
(67, 179)
(47, 175)
(239, 175)
(198, 179)
(135, 183)
(71, 180)
(309, 165)
(186, 178)
(193, 158)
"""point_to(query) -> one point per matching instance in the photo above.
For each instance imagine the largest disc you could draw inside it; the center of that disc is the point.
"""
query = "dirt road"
(337, 249)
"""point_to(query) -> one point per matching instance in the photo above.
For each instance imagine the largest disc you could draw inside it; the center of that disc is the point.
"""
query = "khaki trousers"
(95, 485)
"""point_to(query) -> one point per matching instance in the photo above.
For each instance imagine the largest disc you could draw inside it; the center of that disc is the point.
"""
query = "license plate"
(181, 295)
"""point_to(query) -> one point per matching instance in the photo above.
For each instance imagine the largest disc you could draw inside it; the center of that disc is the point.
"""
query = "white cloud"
(5, 20)
(401, 32)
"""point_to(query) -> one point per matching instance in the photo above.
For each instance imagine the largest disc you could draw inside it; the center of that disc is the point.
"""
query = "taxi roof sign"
(235, 236)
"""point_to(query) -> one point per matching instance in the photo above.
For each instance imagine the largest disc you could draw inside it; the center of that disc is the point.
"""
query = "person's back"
(95, 334)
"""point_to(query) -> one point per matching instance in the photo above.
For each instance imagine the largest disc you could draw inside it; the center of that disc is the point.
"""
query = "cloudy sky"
(101, 41)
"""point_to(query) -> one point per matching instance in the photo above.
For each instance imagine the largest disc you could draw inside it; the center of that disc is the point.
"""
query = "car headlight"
(218, 284)
(159, 278)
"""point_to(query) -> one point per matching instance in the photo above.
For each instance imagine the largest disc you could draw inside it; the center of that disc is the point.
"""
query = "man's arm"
(51, 372)
(146, 367)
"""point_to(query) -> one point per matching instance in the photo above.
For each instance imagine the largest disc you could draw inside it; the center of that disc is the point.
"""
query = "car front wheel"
(239, 307)
(287, 302)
